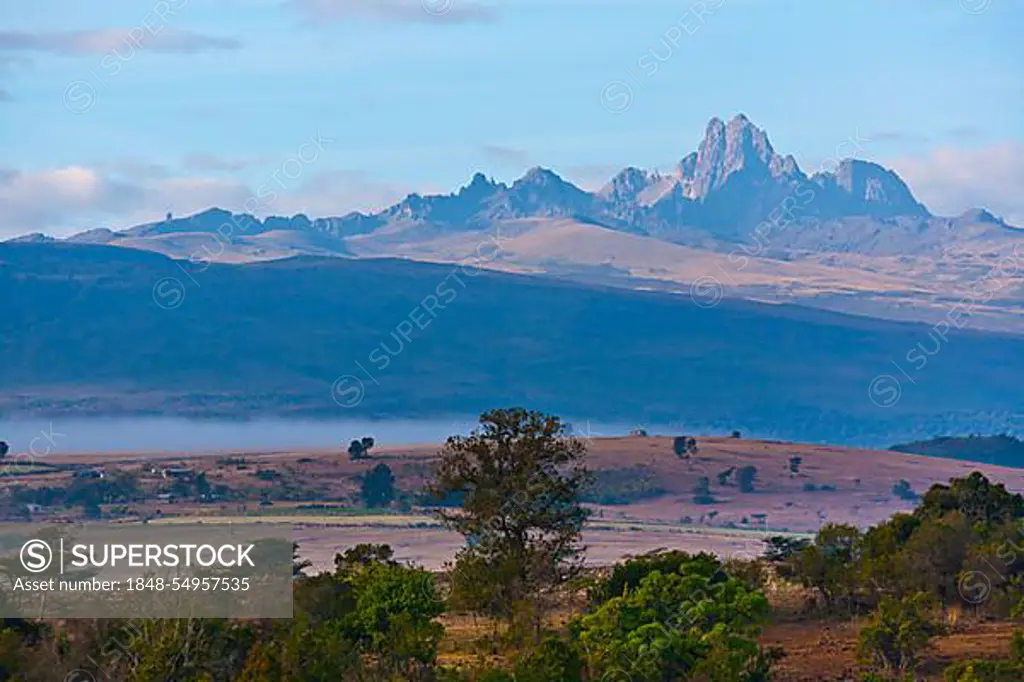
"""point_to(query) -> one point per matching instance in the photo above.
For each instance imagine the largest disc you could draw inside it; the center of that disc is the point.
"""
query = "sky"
(117, 112)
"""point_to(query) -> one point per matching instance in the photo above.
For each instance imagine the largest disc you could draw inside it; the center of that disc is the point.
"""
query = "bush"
(553, 661)
(746, 477)
(984, 671)
(377, 488)
(627, 575)
(702, 491)
(694, 624)
(622, 486)
(902, 490)
(898, 632)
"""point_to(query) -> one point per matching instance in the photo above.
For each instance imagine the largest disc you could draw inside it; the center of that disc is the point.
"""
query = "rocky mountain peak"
(865, 188)
(540, 176)
(480, 186)
(738, 146)
(627, 184)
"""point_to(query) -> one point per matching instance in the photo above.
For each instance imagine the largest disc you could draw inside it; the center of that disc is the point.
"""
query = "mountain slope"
(272, 338)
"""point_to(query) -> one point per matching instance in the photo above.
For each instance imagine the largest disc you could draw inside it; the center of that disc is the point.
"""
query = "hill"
(1003, 449)
(652, 487)
(103, 330)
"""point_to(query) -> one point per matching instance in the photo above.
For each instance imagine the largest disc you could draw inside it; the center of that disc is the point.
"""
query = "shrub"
(903, 490)
(898, 632)
(746, 477)
(553, 661)
(984, 671)
(698, 623)
(702, 491)
(622, 486)
(377, 488)
(628, 574)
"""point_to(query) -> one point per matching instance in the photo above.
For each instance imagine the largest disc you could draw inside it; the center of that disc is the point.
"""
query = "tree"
(684, 446)
(702, 491)
(553, 661)
(979, 500)
(898, 632)
(830, 564)
(780, 548)
(356, 450)
(298, 565)
(363, 555)
(378, 486)
(299, 651)
(522, 478)
(746, 477)
(367, 442)
(902, 490)
(697, 622)
(628, 574)
(737, 434)
(395, 608)
(4, 448)
(794, 464)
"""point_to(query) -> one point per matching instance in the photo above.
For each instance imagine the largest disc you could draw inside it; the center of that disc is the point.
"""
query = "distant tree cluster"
(360, 449)
(958, 548)
(903, 490)
(684, 446)
(1002, 449)
(378, 486)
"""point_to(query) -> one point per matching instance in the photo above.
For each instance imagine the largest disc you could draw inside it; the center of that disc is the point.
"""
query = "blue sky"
(214, 97)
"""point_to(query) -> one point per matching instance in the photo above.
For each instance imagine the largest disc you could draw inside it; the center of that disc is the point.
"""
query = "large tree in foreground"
(521, 477)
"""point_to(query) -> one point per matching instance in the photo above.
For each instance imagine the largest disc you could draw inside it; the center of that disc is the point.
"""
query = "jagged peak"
(479, 185)
(538, 175)
(728, 148)
(628, 183)
(714, 128)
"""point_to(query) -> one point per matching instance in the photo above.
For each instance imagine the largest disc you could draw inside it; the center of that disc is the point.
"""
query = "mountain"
(852, 239)
(123, 331)
(731, 183)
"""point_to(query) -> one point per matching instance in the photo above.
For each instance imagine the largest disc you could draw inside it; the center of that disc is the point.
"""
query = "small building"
(180, 473)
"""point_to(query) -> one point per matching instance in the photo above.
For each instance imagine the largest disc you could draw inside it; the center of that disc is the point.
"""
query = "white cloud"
(951, 180)
(68, 200)
(411, 11)
(104, 41)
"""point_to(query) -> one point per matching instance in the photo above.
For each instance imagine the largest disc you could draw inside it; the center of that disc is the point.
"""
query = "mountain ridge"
(734, 212)
(729, 185)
